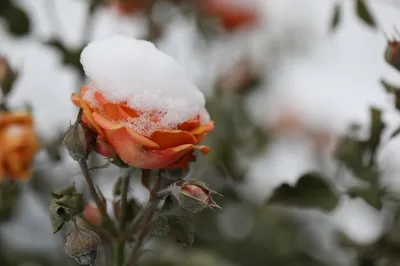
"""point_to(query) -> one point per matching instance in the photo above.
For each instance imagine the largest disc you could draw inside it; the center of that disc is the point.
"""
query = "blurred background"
(284, 82)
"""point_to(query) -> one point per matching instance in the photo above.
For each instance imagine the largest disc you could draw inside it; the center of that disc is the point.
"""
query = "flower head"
(18, 145)
(140, 105)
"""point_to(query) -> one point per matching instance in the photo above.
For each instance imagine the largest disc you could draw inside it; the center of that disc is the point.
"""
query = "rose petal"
(190, 125)
(172, 138)
(100, 98)
(135, 137)
(123, 115)
(84, 90)
(142, 140)
(187, 147)
(203, 128)
(201, 137)
(182, 162)
(105, 123)
(76, 99)
(131, 112)
(111, 110)
(103, 148)
(133, 154)
(89, 117)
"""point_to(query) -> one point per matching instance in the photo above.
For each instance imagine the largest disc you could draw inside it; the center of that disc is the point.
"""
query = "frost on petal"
(135, 72)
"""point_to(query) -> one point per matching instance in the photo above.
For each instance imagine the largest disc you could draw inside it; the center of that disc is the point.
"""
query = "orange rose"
(169, 148)
(18, 145)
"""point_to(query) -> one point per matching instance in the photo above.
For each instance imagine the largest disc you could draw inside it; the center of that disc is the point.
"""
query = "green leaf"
(395, 133)
(376, 128)
(336, 16)
(17, 21)
(183, 229)
(351, 153)
(364, 13)
(311, 191)
(161, 226)
(389, 88)
(392, 89)
(179, 227)
(372, 196)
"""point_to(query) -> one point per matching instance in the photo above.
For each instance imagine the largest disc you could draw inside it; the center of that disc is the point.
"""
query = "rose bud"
(77, 142)
(92, 214)
(193, 195)
(81, 244)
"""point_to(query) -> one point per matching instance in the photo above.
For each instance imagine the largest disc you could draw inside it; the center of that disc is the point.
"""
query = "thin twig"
(93, 192)
(149, 212)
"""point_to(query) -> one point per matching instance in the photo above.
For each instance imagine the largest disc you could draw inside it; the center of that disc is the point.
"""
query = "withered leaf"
(65, 204)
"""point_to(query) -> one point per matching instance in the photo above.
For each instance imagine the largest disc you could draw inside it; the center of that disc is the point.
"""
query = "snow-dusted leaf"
(179, 227)
(311, 191)
(336, 16)
(364, 13)
(372, 196)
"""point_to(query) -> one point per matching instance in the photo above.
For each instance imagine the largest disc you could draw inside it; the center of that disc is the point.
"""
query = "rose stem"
(119, 246)
(95, 196)
(149, 212)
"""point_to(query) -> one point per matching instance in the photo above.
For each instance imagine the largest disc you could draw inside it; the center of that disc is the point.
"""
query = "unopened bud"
(194, 195)
(92, 214)
(76, 141)
(81, 244)
(392, 54)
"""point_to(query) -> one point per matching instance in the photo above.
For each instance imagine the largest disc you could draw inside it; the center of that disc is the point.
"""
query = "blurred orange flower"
(169, 148)
(18, 145)
(231, 14)
(128, 7)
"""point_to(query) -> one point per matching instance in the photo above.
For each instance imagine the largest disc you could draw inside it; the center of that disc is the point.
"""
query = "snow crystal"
(124, 69)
